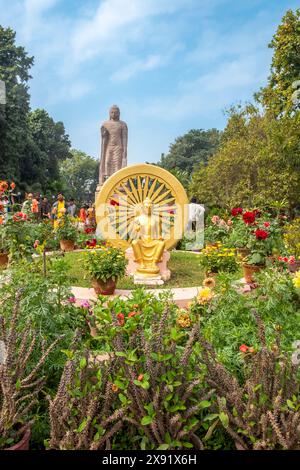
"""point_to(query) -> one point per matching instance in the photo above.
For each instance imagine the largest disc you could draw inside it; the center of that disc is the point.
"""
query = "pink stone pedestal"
(164, 272)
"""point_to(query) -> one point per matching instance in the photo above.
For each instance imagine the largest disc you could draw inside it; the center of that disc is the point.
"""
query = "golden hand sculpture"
(148, 248)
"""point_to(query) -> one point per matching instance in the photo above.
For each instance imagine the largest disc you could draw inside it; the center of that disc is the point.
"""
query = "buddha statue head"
(114, 113)
(147, 205)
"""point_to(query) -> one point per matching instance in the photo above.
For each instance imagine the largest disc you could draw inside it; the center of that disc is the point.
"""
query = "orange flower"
(3, 185)
(140, 377)
(12, 185)
(1, 220)
(132, 314)
(115, 388)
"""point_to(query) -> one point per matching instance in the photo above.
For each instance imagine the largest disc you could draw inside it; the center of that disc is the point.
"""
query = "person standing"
(58, 210)
(45, 209)
(71, 208)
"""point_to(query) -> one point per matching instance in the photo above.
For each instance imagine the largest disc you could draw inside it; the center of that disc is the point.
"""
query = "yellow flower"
(209, 282)
(296, 280)
(183, 319)
(205, 295)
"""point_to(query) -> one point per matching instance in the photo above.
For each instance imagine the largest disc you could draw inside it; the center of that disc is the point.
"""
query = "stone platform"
(164, 272)
(182, 296)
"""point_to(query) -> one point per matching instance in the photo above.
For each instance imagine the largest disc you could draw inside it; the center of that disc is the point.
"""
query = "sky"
(170, 65)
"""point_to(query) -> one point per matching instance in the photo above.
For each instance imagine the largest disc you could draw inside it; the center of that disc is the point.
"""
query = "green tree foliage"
(14, 71)
(79, 174)
(191, 149)
(256, 164)
(47, 145)
(285, 68)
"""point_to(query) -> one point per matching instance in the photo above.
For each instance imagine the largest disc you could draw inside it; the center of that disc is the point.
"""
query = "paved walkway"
(182, 296)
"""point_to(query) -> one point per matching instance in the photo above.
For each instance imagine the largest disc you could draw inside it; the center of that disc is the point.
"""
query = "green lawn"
(185, 271)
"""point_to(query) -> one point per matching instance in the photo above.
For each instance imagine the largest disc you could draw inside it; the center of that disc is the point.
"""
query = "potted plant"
(264, 240)
(67, 234)
(218, 258)
(20, 383)
(105, 266)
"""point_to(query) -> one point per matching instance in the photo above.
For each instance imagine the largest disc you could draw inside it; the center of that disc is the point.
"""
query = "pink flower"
(85, 304)
(36, 243)
(215, 219)
(72, 300)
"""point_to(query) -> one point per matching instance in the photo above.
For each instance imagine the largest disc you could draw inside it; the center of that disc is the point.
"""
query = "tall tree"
(47, 145)
(14, 71)
(80, 175)
(191, 149)
(257, 163)
(277, 96)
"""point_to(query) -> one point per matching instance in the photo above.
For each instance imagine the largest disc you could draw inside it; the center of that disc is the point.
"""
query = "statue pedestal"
(164, 272)
(148, 281)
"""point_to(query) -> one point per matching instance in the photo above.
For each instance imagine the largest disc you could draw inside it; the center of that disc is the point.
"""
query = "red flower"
(261, 234)
(132, 314)
(19, 216)
(267, 224)
(249, 217)
(244, 348)
(236, 211)
(114, 203)
(121, 319)
(91, 243)
(257, 212)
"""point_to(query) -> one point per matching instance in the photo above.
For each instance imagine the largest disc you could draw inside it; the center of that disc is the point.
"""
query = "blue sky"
(170, 65)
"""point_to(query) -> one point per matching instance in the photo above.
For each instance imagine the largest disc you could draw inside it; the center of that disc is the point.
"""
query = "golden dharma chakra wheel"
(120, 200)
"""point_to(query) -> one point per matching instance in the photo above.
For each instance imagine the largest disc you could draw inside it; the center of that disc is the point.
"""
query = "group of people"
(41, 208)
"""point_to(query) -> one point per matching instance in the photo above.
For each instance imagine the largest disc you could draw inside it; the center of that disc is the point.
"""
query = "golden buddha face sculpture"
(149, 245)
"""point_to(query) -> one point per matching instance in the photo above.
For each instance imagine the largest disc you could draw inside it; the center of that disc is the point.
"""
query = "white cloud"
(115, 22)
(33, 15)
(213, 91)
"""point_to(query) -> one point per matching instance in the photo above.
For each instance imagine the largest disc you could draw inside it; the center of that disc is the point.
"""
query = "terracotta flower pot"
(23, 444)
(249, 270)
(104, 287)
(67, 245)
(3, 259)
(295, 266)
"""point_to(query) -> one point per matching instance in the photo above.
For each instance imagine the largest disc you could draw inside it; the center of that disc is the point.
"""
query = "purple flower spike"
(85, 304)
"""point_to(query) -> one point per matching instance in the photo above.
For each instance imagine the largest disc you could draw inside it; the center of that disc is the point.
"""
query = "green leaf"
(204, 404)
(82, 425)
(82, 363)
(188, 445)
(18, 384)
(146, 420)
(224, 419)
(163, 447)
